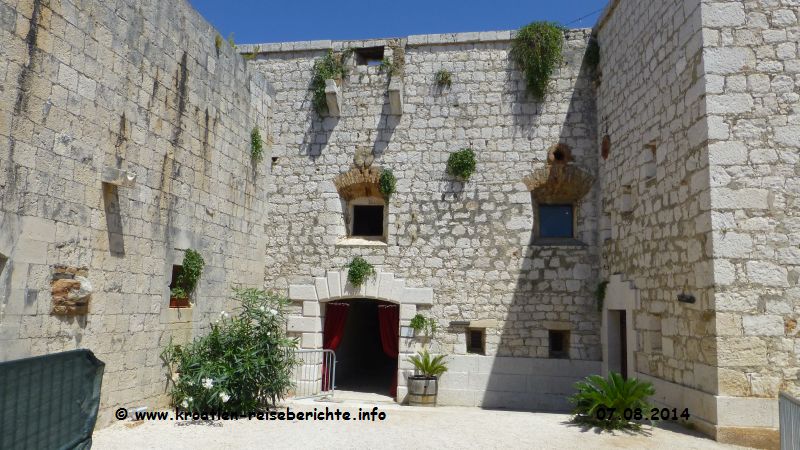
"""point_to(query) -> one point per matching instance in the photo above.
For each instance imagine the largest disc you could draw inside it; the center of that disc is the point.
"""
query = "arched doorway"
(364, 335)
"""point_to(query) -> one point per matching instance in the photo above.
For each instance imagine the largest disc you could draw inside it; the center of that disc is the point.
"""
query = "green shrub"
(218, 42)
(387, 183)
(359, 270)
(244, 364)
(537, 49)
(461, 164)
(329, 66)
(232, 41)
(443, 78)
(256, 145)
(427, 366)
(186, 282)
(597, 396)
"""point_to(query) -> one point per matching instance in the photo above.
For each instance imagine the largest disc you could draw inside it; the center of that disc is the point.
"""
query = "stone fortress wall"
(138, 86)
(465, 246)
(687, 132)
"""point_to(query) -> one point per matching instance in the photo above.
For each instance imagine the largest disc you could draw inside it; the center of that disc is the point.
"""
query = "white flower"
(224, 315)
(185, 404)
(208, 383)
(224, 397)
(273, 312)
(176, 376)
(191, 399)
(262, 308)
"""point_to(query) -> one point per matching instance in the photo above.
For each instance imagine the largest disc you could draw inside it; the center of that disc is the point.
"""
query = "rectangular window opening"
(369, 56)
(176, 299)
(556, 221)
(368, 220)
(559, 344)
(476, 341)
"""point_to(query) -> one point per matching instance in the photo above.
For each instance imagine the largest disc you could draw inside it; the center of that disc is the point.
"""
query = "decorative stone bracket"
(396, 97)
(333, 98)
(559, 183)
(71, 291)
(359, 182)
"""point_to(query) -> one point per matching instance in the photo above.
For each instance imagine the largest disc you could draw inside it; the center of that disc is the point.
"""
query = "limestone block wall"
(752, 68)
(137, 86)
(469, 243)
(656, 201)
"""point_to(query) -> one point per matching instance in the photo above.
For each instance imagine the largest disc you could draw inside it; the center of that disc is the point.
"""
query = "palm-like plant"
(430, 367)
(612, 393)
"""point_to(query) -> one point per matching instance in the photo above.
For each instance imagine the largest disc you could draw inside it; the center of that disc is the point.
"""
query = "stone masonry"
(137, 86)
(125, 140)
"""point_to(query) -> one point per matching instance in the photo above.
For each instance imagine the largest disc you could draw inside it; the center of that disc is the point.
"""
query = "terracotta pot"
(175, 302)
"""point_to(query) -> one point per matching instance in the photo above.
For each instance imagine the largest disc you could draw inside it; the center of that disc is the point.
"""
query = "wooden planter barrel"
(422, 390)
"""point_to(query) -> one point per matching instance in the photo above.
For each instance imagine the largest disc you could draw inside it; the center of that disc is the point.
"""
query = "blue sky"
(258, 21)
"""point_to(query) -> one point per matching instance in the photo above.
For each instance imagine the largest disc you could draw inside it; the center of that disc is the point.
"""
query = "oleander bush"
(244, 364)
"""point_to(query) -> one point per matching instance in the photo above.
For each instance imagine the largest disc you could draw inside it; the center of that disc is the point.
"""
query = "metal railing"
(315, 375)
(789, 414)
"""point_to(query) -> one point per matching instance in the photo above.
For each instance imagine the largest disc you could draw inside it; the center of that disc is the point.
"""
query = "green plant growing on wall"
(256, 145)
(462, 164)
(191, 269)
(328, 67)
(423, 326)
(600, 294)
(231, 41)
(387, 66)
(387, 183)
(359, 270)
(444, 78)
(537, 49)
(218, 42)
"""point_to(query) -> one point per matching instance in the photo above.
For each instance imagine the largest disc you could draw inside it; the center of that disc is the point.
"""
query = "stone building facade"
(675, 159)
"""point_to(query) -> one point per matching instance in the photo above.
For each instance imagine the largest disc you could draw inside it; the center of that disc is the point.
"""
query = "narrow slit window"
(368, 220)
(556, 221)
(3, 261)
(559, 344)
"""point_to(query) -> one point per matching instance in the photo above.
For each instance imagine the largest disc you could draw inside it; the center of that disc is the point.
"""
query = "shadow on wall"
(551, 335)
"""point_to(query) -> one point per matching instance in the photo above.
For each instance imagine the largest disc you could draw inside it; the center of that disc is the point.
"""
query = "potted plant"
(423, 385)
(185, 282)
(424, 328)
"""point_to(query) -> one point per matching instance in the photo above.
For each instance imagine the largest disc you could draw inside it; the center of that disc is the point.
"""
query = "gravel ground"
(404, 427)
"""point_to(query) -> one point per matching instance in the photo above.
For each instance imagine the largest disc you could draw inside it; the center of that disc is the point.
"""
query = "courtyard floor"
(404, 427)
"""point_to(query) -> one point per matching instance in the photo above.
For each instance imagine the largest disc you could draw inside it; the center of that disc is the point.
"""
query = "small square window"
(559, 344)
(556, 221)
(367, 220)
(476, 341)
(369, 56)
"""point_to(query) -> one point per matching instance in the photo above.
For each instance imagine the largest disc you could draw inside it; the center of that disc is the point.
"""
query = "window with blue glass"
(556, 221)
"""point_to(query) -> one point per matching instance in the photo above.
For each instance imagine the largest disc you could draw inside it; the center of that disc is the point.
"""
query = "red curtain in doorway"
(332, 333)
(389, 320)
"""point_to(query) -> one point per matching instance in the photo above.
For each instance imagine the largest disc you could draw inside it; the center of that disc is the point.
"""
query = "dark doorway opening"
(361, 363)
(618, 342)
